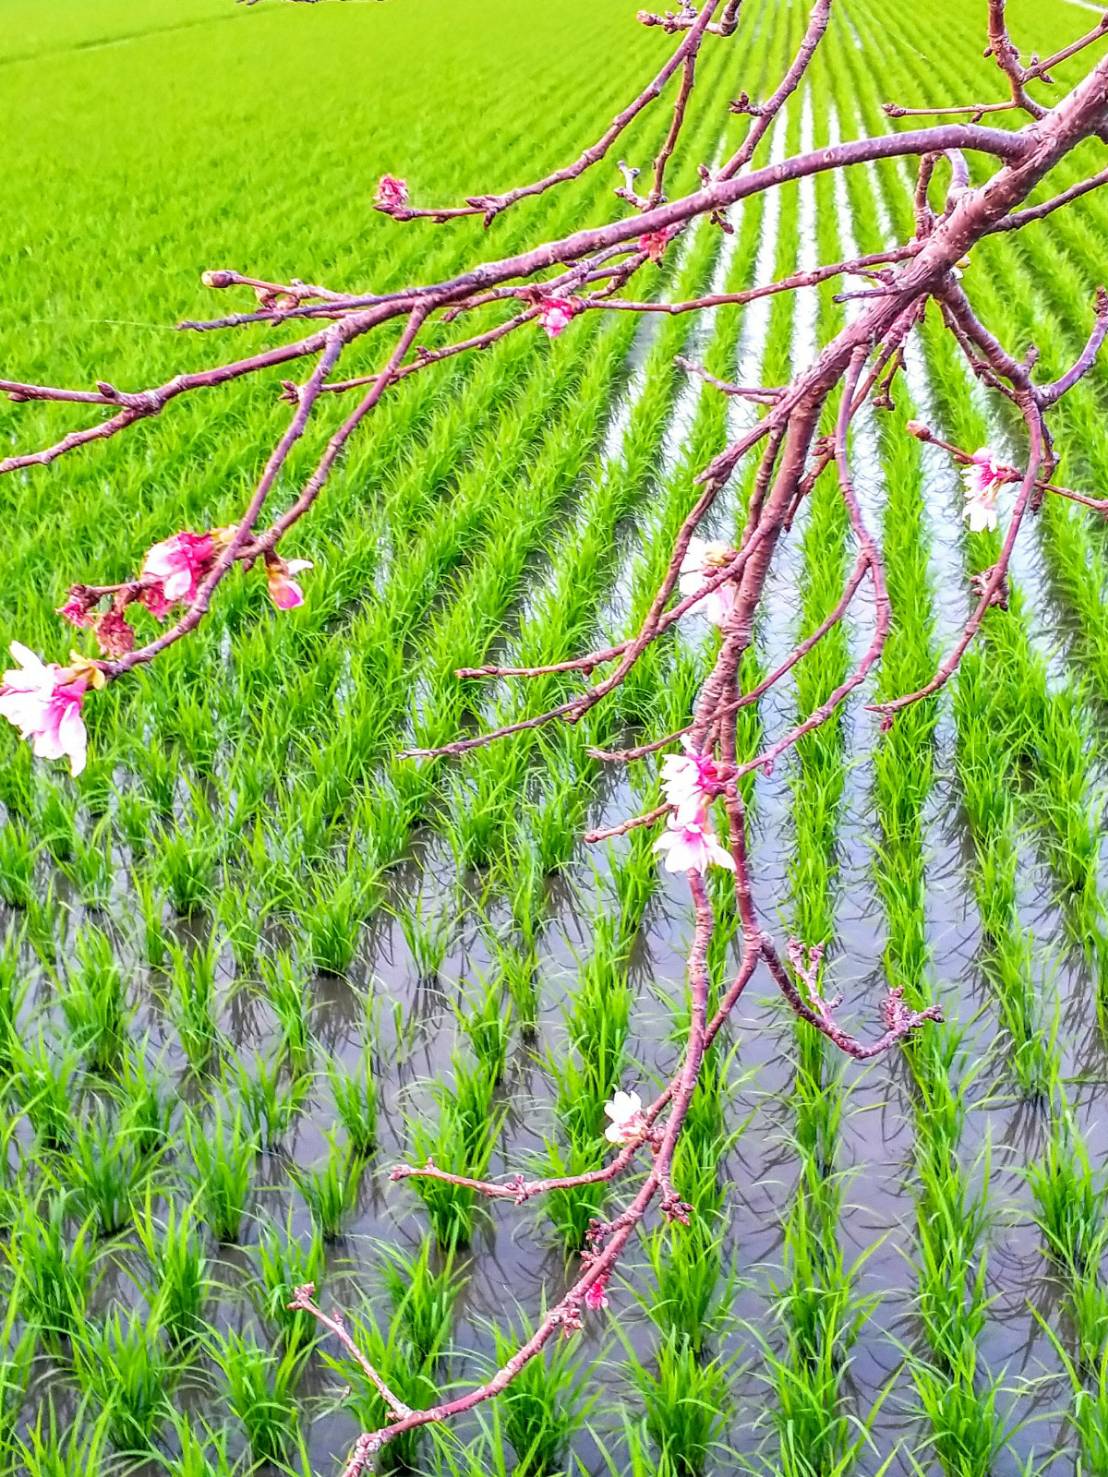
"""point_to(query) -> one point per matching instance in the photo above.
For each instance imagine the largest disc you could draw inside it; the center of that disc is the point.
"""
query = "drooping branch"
(545, 287)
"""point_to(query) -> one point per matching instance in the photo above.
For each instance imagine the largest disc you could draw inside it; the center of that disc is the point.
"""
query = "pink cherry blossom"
(115, 634)
(392, 193)
(284, 590)
(692, 847)
(596, 1295)
(984, 474)
(79, 606)
(44, 702)
(654, 243)
(703, 559)
(178, 564)
(556, 314)
(628, 1123)
(689, 781)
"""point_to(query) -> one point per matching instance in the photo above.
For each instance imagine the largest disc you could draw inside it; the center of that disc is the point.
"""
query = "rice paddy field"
(251, 958)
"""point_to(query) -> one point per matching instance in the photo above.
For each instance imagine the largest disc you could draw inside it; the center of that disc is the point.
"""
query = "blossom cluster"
(44, 701)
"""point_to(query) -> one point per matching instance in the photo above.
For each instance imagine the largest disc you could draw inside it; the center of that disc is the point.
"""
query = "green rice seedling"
(134, 815)
(330, 1191)
(184, 871)
(90, 865)
(409, 1377)
(286, 1261)
(14, 985)
(52, 1265)
(571, 1211)
(57, 823)
(145, 1108)
(260, 1389)
(427, 937)
(517, 967)
(152, 907)
(527, 891)
(179, 1266)
(962, 1405)
(17, 864)
(239, 915)
(223, 1151)
(17, 1351)
(104, 1169)
(546, 1405)
(487, 1456)
(46, 1089)
(44, 924)
(462, 1142)
(693, 1293)
(1070, 1200)
(50, 1448)
(1088, 1415)
(270, 1105)
(195, 1455)
(286, 987)
(192, 976)
(486, 1020)
(123, 1367)
(92, 1000)
(423, 1289)
(687, 1403)
(355, 1098)
(332, 918)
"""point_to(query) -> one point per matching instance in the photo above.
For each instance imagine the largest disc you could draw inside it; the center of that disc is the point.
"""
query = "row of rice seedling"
(983, 761)
(814, 1301)
(1068, 1193)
